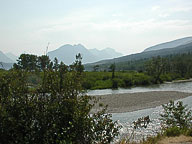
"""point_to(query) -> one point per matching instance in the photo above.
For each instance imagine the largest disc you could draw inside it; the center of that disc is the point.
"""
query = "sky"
(128, 26)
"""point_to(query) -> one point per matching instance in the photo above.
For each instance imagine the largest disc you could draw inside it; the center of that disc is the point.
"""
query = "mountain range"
(92, 57)
(67, 53)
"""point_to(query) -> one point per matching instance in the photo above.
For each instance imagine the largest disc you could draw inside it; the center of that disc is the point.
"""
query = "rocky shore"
(119, 103)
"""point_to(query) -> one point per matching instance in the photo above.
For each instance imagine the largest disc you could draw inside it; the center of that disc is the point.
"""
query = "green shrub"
(102, 84)
(56, 112)
(166, 77)
(87, 84)
(141, 79)
(114, 83)
(128, 82)
(106, 77)
(189, 132)
(173, 131)
(176, 115)
(103, 80)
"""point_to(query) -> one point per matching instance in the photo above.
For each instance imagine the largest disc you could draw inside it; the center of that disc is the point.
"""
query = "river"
(126, 119)
(177, 86)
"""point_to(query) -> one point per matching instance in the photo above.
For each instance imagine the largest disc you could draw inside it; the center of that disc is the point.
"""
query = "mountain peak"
(78, 45)
(67, 53)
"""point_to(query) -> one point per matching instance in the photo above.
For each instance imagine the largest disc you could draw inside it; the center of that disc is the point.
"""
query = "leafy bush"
(166, 77)
(103, 80)
(176, 115)
(128, 82)
(141, 79)
(189, 132)
(56, 112)
(102, 84)
(87, 84)
(173, 131)
(114, 83)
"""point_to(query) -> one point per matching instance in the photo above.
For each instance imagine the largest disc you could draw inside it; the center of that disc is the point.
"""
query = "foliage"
(96, 68)
(155, 67)
(112, 69)
(173, 131)
(148, 71)
(102, 80)
(177, 119)
(44, 62)
(29, 62)
(176, 115)
(55, 112)
(165, 68)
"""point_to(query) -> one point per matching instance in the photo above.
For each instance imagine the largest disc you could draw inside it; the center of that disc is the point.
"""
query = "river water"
(126, 119)
(178, 86)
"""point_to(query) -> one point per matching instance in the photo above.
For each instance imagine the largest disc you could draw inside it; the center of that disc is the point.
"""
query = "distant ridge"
(106, 53)
(12, 56)
(4, 58)
(6, 66)
(170, 44)
(186, 48)
(67, 53)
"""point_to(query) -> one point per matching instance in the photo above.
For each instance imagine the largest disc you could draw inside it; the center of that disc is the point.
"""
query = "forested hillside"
(141, 72)
(183, 49)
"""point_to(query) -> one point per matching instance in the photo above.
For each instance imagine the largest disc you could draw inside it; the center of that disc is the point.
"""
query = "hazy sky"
(129, 26)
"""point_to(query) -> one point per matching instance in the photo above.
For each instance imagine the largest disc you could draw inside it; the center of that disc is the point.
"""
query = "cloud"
(119, 26)
(99, 28)
(155, 8)
(117, 15)
(172, 7)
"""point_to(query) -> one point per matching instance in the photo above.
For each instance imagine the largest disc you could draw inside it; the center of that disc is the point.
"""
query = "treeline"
(141, 72)
(170, 68)
(55, 112)
(30, 62)
(140, 65)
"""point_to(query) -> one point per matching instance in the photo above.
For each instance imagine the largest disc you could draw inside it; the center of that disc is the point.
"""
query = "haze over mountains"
(5, 58)
(91, 57)
(178, 46)
(11, 56)
(67, 53)
(171, 44)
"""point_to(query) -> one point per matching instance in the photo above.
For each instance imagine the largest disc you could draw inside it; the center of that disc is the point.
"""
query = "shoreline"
(179, 81)
(129, 102)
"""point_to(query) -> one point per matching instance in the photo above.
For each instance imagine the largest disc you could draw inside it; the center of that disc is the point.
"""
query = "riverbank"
(180, 81)
(120, 103)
